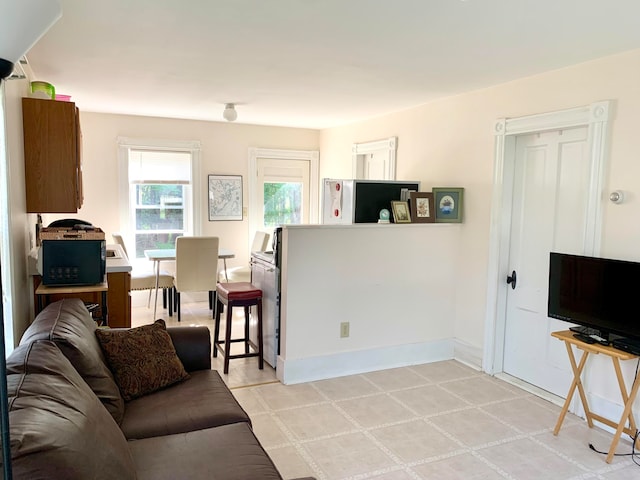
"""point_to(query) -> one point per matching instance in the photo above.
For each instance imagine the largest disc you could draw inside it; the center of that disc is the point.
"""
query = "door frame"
(388, 146)
(594, 116)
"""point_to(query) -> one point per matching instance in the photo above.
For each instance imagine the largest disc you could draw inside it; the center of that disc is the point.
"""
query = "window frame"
(126, 144)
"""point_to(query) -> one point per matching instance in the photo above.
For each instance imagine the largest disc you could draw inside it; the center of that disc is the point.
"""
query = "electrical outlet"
(344, 329)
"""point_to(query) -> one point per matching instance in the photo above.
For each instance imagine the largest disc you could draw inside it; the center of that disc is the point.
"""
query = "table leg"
(623, 420)
(155, 302)
(577, 383)
(105, 312)
(224, 262)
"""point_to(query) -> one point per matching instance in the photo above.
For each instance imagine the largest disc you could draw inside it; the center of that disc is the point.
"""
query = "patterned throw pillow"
(142, 359)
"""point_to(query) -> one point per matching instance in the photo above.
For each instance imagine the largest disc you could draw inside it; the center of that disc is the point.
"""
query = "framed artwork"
(400, 212)
(422, 207)
(447, 202)
(225, 197)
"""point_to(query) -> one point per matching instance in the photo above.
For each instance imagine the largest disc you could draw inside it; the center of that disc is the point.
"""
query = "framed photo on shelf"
(448, 202)
(400, 212)
(422, 207)
(225, 197)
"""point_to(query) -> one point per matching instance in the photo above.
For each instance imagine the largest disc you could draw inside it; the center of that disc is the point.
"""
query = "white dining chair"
(146, 279)
(196, 267)
(243, 273)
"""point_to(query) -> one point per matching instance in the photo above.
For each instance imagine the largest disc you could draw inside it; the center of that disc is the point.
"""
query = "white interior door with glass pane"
(283, 188)
(284, 195)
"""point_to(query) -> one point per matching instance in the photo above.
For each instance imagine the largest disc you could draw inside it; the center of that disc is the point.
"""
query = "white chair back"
(196, 264)
(120, 241)
(260, 242)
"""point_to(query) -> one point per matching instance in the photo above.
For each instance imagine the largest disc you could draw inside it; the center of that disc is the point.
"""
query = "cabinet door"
(51, 148)
(119, 299)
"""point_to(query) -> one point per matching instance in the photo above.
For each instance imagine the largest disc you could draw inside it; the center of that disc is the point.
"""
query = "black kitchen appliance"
(73, 252)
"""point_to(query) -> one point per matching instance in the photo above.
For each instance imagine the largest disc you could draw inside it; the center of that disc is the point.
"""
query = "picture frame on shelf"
(400, 212)
(448, 204)
(225, 197)
(422, 210)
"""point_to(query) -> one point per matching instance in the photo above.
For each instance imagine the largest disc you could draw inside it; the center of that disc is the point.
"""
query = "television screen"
(597, 293)
(371, 197)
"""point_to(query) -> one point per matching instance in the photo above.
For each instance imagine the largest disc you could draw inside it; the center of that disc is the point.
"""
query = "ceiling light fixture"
(230, 113)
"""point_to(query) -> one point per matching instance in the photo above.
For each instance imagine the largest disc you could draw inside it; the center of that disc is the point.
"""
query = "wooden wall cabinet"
(52, 156)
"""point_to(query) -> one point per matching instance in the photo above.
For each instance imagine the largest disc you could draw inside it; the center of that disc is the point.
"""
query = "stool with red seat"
(238, 294)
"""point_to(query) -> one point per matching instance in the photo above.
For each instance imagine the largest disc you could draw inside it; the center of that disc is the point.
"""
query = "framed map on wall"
(225, 197)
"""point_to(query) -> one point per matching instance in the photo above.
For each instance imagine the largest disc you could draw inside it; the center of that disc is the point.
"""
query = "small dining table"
(159, 255)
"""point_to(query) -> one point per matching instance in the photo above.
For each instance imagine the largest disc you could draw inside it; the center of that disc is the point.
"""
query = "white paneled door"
(549, 213)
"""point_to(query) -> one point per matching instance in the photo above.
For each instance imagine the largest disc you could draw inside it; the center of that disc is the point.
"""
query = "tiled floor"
(438, 421)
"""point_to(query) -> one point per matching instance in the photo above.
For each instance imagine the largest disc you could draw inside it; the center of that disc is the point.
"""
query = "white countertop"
(119, 261)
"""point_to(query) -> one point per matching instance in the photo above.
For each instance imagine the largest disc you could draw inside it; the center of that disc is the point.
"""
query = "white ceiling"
(313, 63)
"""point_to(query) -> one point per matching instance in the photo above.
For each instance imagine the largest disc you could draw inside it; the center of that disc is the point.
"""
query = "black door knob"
(512, 279)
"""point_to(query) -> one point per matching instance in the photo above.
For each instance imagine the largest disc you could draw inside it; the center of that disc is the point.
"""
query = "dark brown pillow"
(142, 359)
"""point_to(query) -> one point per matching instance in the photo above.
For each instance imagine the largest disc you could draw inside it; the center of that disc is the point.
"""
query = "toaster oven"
(73, 262)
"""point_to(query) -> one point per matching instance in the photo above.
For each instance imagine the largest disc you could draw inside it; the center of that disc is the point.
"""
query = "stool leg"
(164, 298)
(246, 329)
(170, 301)
(216, 329)
(227, 339)
(178, 304)
(260, 342)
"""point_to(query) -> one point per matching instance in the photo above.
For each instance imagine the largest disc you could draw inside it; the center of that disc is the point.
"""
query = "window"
(283, 203)
(160, 193)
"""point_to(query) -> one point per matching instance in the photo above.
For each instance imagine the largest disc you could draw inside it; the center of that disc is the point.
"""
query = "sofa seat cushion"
(142, 359)
(231, 452)
(58, 427)
(202, 401)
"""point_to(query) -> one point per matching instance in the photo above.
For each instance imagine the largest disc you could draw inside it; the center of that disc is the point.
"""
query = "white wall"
(450, 143)
(21, 224)
(392, 283)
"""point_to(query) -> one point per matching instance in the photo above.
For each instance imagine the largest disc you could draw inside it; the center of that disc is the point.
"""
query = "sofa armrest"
(193, 346)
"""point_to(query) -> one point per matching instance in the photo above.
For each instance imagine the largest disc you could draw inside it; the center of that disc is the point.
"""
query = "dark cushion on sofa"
(59, 428)
(202, 401)
(142, 360)
(231, 452)
(68, 323)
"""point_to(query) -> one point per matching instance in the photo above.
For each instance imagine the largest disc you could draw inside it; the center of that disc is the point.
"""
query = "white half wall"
(394, 284)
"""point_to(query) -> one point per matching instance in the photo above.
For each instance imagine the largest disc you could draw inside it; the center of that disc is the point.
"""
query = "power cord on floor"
(634, 438)
(633, 453)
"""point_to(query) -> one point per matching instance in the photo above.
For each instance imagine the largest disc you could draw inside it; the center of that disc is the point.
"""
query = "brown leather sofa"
(68, 420)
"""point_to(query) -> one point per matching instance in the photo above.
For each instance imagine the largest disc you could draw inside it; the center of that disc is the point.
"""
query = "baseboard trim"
(350, 363)
(467, 354)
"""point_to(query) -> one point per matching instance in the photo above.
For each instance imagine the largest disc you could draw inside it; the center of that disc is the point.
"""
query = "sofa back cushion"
(69, 325)
(59, 428)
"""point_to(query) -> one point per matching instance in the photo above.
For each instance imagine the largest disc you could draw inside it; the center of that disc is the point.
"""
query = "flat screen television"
(597, 293)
